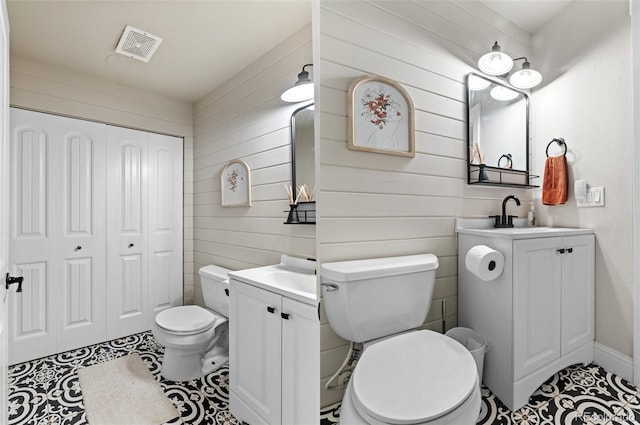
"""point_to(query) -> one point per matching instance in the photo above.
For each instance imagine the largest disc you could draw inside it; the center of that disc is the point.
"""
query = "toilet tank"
(215, 288)
(373, 298)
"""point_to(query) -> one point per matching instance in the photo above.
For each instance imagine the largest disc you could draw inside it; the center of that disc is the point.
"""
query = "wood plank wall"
(244, 118)
(376, 205)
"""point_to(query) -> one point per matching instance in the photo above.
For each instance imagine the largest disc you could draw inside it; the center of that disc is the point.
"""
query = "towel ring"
(559, 141)
(509, 161)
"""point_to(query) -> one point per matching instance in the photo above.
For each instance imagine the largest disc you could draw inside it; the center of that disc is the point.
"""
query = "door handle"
(569, 250)
(561, 251)
(285, 316)
(10, 280)
(271, 309)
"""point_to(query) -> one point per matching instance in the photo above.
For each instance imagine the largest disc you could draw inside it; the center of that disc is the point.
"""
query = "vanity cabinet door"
(537, 291)
(300, 364)
(255, 354)
(577, 292)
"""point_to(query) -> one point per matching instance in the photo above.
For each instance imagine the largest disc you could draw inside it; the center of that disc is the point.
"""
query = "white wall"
(45, 88)
(244, 118)
(375, 205)
(586, 99)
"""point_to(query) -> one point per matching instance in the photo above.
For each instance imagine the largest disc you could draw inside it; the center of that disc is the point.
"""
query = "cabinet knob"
(561, 251)
(271, 309)
(285, 316)
(78, 248)
(130, 245)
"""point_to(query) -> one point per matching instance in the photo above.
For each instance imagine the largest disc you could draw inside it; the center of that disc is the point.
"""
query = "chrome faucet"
(505, 220)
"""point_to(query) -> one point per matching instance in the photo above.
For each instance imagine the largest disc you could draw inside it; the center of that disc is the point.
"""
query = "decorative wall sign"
(236, 184)
(380, 117)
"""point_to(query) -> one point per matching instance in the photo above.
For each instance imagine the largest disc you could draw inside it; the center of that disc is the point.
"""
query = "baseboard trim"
(613, 361)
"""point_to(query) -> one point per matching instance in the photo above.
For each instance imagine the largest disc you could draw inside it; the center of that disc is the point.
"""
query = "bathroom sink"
(293, 278)
(526, 230)
(482, 227)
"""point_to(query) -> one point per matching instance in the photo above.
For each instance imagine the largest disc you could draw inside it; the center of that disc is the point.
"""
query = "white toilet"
(196, 339)
(404, 376)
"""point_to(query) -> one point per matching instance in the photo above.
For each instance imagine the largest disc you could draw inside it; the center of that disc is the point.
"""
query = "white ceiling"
(530, 15)
(204, 42)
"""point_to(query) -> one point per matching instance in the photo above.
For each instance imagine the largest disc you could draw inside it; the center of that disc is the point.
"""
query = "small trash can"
(473, 342)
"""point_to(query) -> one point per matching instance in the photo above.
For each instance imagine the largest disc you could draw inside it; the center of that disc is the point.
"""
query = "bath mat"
(124, 392)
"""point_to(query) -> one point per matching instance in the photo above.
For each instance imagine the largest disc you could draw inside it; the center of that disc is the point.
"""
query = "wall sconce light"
(302, 90)
(526, 78)
(499, 64)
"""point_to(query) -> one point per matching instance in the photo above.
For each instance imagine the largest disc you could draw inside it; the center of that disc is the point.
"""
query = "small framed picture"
(381, 117)
(236, 184)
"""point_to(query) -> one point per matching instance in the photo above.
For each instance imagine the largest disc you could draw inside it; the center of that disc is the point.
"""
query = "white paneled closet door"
(144, 228)
(57, 237)
(165, 222)
(127, 279)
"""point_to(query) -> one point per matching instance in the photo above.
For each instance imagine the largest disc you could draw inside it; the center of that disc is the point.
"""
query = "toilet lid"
(413, 378)
(185, 319)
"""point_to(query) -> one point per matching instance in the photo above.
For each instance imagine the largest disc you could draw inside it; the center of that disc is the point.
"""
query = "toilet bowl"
(404, 375)
(196, 339)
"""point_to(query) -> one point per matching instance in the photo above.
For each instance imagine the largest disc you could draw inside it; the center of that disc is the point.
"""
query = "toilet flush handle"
(330, 287)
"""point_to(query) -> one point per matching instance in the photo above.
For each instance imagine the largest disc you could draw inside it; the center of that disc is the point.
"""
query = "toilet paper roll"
(484, 262)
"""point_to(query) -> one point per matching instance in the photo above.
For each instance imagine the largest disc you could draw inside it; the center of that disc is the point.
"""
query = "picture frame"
(380, 117)
(235, 184)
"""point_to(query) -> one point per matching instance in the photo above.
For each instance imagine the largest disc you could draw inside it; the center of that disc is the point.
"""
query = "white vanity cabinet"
(274, 357)
(553, 298)
(538, 315)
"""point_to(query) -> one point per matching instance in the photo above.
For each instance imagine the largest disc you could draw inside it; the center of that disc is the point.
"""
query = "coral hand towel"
(555, 181)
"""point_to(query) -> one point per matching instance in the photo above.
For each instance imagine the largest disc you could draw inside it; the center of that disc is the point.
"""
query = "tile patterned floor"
(46, 391)
(576, 395)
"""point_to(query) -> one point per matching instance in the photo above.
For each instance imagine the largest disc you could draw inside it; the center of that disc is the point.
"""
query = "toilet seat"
(186, 320)
(412, 378)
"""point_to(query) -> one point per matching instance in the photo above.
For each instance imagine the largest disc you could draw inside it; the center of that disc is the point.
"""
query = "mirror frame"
(501, 174)
(292, 129)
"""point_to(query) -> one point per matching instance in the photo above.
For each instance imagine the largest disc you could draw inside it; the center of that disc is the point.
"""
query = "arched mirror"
(498, 133)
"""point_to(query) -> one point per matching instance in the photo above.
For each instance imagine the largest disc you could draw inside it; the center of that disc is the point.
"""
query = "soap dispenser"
(531, 217)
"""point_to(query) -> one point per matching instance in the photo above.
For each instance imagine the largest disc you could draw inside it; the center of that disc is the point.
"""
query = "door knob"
(10, 280)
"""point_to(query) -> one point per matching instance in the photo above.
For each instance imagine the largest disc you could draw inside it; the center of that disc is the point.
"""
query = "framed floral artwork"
(381, 117)
(236, 184)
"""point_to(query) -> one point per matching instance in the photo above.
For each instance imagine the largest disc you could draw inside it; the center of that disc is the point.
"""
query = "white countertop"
(484, 227)
(295, 280)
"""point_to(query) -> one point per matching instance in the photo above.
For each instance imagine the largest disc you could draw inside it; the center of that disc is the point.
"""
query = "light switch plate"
(594, 198)
(597, 196)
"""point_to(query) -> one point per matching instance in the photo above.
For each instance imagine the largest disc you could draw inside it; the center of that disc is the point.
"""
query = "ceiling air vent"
(137, 44)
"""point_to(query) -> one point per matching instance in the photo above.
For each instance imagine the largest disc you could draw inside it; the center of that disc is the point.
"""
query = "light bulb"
(298, 93)
(526, 78)
(476, 83)
(503, 93)
(495, 62)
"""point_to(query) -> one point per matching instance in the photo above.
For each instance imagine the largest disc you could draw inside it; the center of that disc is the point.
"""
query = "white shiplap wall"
(375, 205)
(244, 118)
(46, 88)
